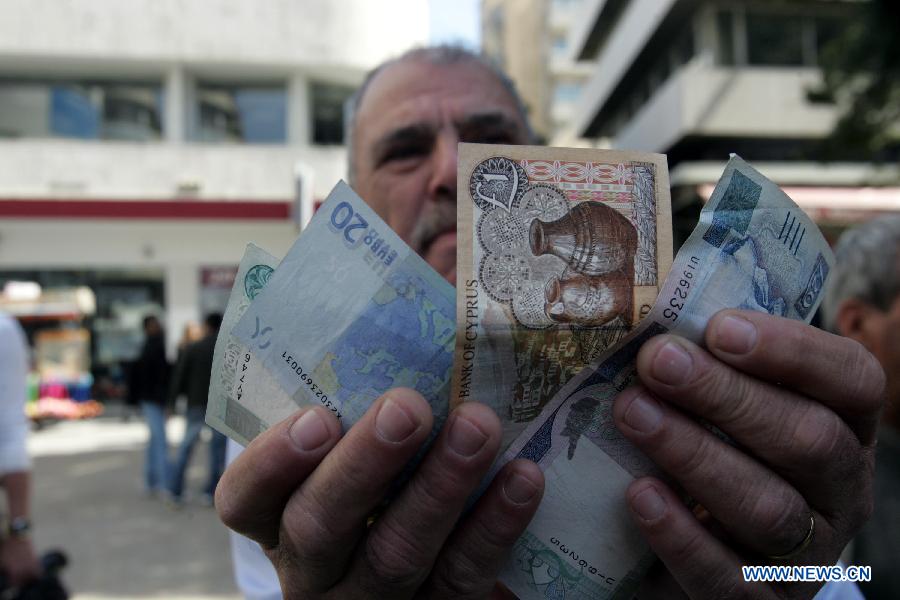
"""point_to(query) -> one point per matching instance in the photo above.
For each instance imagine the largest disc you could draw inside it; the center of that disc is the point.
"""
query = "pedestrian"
(192, 374)
(862, 302)
(148, 387)
(18, 563)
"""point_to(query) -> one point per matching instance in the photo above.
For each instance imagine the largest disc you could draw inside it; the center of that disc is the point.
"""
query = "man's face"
(411, 118)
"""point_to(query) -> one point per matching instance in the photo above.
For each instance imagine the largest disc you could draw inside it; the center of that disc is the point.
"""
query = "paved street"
(88, 500)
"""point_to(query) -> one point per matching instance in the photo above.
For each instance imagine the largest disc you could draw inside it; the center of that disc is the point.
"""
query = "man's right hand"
(306, 494)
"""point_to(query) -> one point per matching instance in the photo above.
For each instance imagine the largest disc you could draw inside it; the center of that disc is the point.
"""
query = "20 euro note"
(752, 249)
(351, 312)
(243, 400)
(561, 253)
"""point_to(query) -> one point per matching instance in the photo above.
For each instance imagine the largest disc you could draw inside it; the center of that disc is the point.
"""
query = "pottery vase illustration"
(593, 239)
(588, 301)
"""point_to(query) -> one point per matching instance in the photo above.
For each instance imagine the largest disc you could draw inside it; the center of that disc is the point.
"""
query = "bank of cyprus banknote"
(244, 400)
(560, 254)
(752, 249)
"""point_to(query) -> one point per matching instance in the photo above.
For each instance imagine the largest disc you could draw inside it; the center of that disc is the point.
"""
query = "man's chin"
(441, 255)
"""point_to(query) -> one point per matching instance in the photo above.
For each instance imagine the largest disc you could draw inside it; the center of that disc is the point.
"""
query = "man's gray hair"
(445, 54)
(866, 269)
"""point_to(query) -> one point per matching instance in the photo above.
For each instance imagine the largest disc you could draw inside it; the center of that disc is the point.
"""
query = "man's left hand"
(801, 406)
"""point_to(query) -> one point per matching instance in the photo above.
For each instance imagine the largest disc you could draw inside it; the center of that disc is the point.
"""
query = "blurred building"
(531, 41)
(698, 79)
(144, 143)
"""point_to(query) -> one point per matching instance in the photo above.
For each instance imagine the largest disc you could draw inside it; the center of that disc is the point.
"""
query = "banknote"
(243, 398)
(351, 312)
(752, 249)
(560, 254)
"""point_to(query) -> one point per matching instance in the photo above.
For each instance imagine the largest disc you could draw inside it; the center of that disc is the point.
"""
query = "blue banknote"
(753, 249)
(350, 313)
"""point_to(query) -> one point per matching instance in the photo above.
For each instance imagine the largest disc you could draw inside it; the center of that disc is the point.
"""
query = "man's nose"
(443, 176)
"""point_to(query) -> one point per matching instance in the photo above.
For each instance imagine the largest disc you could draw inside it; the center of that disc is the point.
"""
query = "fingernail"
(394, 423)
(672, 364)
(735, 335)
(643, 414)
(309, 431)
(465, 438)
(649, 505)
(518, 488)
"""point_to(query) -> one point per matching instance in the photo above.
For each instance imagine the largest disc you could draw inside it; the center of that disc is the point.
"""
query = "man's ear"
(854, 320)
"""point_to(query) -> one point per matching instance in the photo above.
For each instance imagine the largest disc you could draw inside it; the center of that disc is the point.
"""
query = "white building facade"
(144, 143)
(699, 79)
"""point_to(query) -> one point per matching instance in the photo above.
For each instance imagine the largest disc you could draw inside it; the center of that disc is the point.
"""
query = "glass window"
(328, 112)
(81, 109)
(725, 28)
(251, 113)
(774, 40)
(566, 92)
(827, 30)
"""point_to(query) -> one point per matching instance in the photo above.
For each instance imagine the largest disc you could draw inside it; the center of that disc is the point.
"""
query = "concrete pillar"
(299, 116)
(176, 99)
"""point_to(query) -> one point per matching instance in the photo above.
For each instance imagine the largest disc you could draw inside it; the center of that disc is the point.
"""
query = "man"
(862, 301)
(148, 386)
(191, 378)
(18, 563)
(802, 405)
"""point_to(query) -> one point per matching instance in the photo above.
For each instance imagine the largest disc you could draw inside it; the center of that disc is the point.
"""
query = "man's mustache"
(437, 219)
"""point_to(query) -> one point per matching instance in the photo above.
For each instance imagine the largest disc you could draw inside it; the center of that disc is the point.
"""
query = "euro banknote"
(243, 399)
(753, 248)
(560, 253)
(351, 312)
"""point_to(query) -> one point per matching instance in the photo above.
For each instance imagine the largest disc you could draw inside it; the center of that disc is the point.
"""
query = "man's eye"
(403, 152)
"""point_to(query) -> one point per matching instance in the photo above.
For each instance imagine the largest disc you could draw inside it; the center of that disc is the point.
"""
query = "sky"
(455, 21)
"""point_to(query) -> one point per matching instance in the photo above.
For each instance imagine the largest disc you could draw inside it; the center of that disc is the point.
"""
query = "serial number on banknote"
(676, 302)
(576, 559)
(307, 379)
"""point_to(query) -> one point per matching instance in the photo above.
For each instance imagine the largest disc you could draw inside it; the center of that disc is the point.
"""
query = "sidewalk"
(88, 500)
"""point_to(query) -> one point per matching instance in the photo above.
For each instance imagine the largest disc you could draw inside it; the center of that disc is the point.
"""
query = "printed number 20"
(341, 219)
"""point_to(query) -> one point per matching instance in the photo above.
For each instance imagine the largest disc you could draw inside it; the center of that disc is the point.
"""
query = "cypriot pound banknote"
(560, 254)
(752, 249)
(349, 313)
(244, 400)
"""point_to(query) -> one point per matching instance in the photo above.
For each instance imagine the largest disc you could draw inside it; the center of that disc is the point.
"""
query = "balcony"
(704, 100)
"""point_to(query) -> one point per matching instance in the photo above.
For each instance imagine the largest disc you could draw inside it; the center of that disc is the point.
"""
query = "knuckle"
(459, 578)
(695, 457)
(395, 558)
(819, 436)
(779, 516)
(724, 393)
(307, 531)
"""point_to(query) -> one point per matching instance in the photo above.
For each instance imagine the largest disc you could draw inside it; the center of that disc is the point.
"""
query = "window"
(80, 109)
(328, 112)
(251, 113)
(566, 92)
(725, 29)
(774, 40)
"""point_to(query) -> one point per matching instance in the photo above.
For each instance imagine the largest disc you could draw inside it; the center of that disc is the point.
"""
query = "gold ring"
(803, 545)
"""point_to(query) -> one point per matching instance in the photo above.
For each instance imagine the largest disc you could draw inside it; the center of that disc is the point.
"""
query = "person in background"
(862, 302)
(148, 386)
(191, 333)
(192, 374)
(18, 563)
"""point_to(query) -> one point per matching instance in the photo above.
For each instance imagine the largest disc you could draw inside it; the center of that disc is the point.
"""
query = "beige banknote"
(560, 253)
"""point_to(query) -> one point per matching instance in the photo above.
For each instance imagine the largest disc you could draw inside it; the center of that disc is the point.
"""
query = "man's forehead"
(413, 88)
